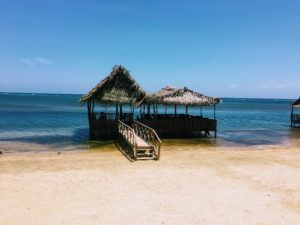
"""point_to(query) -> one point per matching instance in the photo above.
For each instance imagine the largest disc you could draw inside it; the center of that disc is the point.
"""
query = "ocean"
(37, 122)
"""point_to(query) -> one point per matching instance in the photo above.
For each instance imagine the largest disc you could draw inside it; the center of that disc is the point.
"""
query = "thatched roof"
(296, 103)
(154, 98)
(187, 97)
(117, 88)
(165, 91)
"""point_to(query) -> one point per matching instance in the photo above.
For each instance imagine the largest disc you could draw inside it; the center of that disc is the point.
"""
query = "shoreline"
(7, 147)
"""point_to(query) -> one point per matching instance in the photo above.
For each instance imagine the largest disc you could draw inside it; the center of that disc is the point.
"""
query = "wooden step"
(146, 158)
(141, 143)
(144, 148)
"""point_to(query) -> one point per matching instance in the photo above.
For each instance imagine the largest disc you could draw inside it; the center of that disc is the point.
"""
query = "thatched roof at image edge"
(182, 96)
(296, 103)
(117, 88)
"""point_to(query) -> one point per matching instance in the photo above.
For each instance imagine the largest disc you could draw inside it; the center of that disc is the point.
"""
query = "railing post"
(292, 113)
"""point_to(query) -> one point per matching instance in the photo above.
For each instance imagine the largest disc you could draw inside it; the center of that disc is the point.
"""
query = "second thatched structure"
(176, 124)
(295, 117)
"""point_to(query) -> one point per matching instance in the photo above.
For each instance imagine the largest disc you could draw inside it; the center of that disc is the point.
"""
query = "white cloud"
(233, 86)
(42, 60)
(28, 62)
(35, 61)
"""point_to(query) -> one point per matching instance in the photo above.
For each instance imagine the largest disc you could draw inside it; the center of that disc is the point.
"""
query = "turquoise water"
(58, 120)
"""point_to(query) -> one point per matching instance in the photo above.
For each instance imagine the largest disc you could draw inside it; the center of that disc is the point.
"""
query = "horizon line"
(55, 93)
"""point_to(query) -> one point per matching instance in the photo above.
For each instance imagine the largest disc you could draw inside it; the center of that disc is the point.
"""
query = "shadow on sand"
(124, 148)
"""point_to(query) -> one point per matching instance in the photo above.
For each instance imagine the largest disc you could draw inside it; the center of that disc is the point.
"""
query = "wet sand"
(191, 184)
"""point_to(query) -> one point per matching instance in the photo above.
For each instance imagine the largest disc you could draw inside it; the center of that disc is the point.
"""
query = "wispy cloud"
(42, 60)
(28, 62)
(233, 86)
(35, 61)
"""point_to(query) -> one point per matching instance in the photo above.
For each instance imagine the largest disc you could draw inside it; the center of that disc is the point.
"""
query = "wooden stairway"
(142, 139)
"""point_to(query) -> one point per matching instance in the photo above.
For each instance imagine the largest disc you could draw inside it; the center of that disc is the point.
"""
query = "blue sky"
(227, 48)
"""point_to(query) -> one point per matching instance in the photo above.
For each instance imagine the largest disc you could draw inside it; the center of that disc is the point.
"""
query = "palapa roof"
(117, 88)
(296, 103)
(155, 98)
(187, 97)
(165, 91)
(184, 96)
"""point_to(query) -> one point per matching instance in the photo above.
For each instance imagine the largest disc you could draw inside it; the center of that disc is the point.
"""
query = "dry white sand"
(189, 185)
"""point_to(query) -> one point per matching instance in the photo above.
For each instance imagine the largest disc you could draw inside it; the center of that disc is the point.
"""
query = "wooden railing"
(112, 116)
(149, 135)
(128, 134)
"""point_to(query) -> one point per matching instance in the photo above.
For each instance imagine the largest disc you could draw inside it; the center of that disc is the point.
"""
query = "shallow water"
(57, 121)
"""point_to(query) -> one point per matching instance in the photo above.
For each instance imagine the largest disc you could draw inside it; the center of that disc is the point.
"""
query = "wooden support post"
(175, 107)
(92, 107)
(215, 121)
(148, 109)
(90, 119)
(117, 111)
(186, 110)
(214, 112)
(89, 108)
(292, 115)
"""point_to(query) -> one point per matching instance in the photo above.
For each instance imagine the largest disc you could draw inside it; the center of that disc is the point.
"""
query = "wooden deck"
(180, 126)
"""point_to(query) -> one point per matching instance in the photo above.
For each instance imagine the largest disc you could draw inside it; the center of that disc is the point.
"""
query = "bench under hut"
(178, 124)
(119, 90)
(295, 117)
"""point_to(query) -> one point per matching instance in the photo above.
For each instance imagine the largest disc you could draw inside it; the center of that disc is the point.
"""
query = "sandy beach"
(189, 185)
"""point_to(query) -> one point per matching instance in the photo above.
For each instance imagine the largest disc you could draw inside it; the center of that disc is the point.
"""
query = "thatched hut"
(186, 97)
(118, 89)
(179, 125)
(295, 117)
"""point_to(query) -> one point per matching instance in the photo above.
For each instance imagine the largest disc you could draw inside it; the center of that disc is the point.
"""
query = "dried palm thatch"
(188, 97)
(296, 103)
(117, 88)
(157, 96)
(165, 91)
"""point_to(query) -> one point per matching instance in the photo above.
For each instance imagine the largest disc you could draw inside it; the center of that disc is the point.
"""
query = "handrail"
(141, 124)
(129, 134)
(149, 135)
